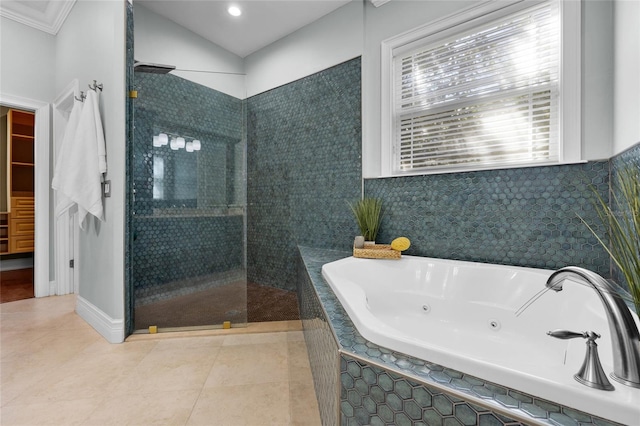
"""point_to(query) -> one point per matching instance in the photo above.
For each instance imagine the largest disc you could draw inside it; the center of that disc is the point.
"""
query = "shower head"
(152, 68)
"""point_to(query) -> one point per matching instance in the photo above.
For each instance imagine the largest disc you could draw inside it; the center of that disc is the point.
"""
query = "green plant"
(368, 213)
(621, 219)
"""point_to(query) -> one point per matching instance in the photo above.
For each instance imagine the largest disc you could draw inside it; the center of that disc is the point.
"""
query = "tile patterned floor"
(56, 370)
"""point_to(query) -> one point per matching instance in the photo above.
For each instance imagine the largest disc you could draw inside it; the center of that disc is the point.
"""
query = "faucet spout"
(625, 337)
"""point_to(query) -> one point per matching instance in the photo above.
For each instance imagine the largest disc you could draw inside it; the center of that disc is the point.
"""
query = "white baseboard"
(111, 329)
(18, 263)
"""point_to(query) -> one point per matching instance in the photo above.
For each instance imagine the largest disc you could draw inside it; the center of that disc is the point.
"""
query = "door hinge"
(71, 263)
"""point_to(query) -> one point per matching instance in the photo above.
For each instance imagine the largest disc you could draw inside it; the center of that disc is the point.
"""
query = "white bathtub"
(462, 315)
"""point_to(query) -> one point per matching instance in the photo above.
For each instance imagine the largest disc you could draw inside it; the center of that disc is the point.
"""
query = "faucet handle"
(591, 373)
(566, 334)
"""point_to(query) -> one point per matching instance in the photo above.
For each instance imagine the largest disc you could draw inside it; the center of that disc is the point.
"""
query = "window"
(158, 177)
(484, 93)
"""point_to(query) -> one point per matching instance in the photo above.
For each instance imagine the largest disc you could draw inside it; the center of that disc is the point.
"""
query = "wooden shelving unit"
(4, 233)
(18, 221)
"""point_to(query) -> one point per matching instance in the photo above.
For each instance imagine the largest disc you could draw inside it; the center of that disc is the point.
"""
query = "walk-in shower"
(188, 207)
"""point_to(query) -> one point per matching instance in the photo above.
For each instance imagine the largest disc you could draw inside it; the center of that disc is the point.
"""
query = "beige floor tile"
(295, 336)
(68, 383)
(171, 375)
(299, 367)
(188, 343)
(260, 405)
(19, 376)
(304, 406)
(168, 355)
(18, 342)
(120, 353)
(58, 370)
(58, 413)
(256, 339)
(49, 305)
(249, 364)
(55, 346)
(157, 408)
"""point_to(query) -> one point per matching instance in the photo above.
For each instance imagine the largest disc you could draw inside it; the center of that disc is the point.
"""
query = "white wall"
(26, 64)
(28, 57)
(161, 41)
(396, 17)
(597, 79)
(91, 46)
(331, 40)
(627, 75)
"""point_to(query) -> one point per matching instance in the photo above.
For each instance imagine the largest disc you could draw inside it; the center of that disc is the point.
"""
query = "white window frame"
(570, 140)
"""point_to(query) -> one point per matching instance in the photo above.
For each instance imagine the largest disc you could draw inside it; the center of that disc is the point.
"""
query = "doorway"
(17, 204)
(32, 198)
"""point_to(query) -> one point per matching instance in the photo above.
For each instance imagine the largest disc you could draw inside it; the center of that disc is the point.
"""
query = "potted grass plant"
(621, 219)
(368, 214)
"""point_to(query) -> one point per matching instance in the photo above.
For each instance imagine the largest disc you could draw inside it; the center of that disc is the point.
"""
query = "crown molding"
(49, 20)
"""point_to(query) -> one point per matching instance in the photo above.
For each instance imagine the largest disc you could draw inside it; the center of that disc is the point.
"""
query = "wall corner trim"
(111, 329)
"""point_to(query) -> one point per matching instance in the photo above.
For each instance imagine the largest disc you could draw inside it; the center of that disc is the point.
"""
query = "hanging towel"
(64, 201)
(81, 181)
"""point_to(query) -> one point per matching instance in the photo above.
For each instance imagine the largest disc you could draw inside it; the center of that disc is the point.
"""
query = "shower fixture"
(149, 67)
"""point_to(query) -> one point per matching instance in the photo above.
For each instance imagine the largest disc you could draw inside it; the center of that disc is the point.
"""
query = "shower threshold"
(251, 328)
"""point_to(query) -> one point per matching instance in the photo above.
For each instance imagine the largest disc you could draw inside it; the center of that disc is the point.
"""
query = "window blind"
(488, 96)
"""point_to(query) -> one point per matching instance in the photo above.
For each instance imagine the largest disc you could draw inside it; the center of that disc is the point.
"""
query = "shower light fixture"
(234, 11)
(176, 142)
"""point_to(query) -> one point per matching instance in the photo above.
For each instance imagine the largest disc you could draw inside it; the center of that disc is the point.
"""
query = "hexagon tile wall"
(523, 217)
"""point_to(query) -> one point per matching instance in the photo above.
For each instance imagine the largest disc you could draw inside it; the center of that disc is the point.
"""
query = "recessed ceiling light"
(234, 11)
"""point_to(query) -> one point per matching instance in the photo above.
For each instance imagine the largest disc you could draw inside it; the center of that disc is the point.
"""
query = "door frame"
(65, 228)
(41, 285)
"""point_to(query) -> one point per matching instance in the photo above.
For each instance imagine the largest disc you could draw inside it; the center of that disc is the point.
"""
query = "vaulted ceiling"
(262, 21)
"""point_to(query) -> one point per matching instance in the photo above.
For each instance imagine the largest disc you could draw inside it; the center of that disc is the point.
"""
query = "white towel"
(63, 201)
(81, 179)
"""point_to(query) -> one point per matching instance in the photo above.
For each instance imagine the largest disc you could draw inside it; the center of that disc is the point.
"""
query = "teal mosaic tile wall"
(321, 345)
(297, 192)
(372, 396)
(628, 159)
(523, 217)
(303, 164)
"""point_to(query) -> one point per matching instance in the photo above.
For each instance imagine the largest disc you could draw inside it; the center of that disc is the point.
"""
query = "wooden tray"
(376, 251)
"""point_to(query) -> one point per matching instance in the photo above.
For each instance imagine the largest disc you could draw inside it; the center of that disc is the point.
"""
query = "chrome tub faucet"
(625, 338)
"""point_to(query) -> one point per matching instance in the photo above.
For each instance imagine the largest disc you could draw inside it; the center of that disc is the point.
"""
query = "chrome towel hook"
(95, 86)
(82, 97)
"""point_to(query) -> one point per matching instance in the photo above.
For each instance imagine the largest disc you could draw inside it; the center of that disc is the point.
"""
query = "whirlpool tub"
(489, 321)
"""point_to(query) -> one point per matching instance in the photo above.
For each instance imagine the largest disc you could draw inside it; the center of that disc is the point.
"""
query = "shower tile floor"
(236, 302)
(56, 370)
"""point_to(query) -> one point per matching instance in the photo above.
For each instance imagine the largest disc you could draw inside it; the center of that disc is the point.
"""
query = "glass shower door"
(188, 218)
